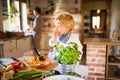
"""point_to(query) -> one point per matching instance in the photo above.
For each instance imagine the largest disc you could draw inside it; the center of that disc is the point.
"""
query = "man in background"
(37, 27)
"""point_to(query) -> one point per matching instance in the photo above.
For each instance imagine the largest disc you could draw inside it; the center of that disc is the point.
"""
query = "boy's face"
(61, 28)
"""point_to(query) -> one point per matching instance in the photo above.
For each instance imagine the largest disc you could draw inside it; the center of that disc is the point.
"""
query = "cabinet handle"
(11, 50)
(24, 39)
(10, 41)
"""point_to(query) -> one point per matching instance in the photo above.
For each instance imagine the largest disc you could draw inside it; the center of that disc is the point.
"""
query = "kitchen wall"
(95, 5)
(90, 9)
(115, 15)
(1, 24)
(73, 7)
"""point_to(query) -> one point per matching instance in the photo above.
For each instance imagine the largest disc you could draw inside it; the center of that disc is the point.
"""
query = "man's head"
(36, 11)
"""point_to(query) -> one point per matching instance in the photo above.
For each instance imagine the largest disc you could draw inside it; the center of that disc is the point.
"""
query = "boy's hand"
(56, 33)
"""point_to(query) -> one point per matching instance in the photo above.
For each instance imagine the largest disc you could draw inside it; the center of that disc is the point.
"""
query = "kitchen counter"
(97, 51)
(100, 41)
(11, 38)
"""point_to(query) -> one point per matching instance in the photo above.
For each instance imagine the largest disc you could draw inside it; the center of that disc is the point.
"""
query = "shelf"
(114, 78)
(116, 62)
(114, 73)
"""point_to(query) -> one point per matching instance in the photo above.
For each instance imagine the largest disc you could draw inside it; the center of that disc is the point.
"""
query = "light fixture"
(98, 11)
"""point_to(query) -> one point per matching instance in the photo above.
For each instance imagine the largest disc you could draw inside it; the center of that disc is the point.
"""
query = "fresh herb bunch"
(68, 54)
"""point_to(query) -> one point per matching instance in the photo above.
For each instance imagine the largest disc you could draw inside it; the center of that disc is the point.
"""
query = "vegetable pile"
(27, 75)
(8, 71)
(68, 54)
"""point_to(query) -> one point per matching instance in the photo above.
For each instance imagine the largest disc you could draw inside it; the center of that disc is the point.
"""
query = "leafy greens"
(68, 54)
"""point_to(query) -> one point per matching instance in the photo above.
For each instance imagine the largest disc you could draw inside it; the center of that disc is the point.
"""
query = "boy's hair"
(37, 9)
(66, 20)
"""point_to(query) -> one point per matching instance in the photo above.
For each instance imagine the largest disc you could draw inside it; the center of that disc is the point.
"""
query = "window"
(98, 19)
(12, 21)
(96, 22)
(11, 16)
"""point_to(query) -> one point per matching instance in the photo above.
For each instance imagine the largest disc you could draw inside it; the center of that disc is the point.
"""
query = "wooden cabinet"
(23, 44)
(113, 63)
(15, 47)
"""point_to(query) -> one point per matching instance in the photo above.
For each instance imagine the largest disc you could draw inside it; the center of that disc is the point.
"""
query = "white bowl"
(63, 77)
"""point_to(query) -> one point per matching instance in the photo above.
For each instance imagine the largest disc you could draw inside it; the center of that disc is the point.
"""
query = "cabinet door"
(47, 37)
(44, 43)
(8, 45)
(24, 44)
(9, 48)
(10, 53)
(20, 43)
(27, 43)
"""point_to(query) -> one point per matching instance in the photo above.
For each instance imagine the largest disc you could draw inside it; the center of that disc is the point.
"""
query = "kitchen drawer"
(8, 45)
(10, 53)
(19, 54)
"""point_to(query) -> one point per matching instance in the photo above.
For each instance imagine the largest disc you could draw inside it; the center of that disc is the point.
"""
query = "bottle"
(115, 35)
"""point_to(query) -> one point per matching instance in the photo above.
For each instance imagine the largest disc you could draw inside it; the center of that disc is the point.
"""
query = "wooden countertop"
(49, 67)
(12, 38)
(100, 41)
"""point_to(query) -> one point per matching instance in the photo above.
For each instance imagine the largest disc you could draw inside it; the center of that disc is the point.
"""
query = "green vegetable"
(68, 54)
(27, 75)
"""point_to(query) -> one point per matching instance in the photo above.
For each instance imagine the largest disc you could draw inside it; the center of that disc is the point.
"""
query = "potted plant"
(68, 56)
(12, 10)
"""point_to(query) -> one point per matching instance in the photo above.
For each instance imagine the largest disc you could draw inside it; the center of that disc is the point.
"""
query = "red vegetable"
(46, 75)
(16, 65)
(42, 65)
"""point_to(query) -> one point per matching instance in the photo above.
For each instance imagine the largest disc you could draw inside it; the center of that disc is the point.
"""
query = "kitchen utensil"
(41, 58)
